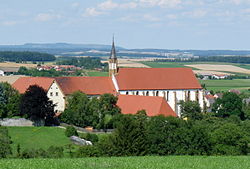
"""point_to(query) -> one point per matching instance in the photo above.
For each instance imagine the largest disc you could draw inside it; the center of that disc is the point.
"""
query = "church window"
(126, 93)
(188, 95)
(197, 96)
(137, 93)
(147, 94)
(157, 93)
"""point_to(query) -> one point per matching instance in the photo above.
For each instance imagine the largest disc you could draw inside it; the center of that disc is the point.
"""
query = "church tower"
(113, 62)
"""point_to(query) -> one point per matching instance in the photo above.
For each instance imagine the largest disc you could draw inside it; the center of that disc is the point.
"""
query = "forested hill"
(25, 56)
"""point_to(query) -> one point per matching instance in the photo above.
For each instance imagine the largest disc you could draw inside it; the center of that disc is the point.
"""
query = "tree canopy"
(25, 56)
(9, 101)
(36, 105)
(229, 104)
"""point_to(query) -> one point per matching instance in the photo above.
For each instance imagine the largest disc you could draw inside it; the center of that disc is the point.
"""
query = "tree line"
(227, 59)
(25, 56)
(46, 73)
(86, 62)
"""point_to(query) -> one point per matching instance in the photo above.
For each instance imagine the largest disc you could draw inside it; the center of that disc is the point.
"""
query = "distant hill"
(58, 46)
(99, 50)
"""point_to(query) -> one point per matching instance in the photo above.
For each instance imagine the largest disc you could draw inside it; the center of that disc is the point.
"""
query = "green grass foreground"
(37, 137)
(149, 162)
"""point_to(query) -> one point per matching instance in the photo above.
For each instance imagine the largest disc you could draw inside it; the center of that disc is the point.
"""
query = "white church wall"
(173, 97)
(115, 83)
(193, 95)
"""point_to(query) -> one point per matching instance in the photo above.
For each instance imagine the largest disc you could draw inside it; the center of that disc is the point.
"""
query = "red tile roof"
(209, 96)
(87, 85)
(153, 105)
(156, 78)
(23, 83)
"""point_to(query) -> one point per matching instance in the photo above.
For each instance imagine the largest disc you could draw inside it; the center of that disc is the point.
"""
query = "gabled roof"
(23, 83)
(87, 85)
(156, 79)
(153, 105)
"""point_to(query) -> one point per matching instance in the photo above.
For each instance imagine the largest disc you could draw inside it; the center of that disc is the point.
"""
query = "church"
(156, 90)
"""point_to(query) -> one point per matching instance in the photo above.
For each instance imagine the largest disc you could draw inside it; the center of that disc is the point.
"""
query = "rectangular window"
(51, 93)
(56, 93)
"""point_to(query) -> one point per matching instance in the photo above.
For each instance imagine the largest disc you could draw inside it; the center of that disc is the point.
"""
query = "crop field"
(10, 79)
(37, 137)
(13, 64)
(97, 73)
(148, 162)
(222, 68)
(164, 64)
(225, 85)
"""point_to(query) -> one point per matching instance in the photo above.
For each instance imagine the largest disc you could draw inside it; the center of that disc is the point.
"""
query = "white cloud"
(160, 3)
(171, 16)
(107, 5)
(9, 23)
(44, 17)
(151, 18)
(92, 12)
(129, 5)
(199, 13)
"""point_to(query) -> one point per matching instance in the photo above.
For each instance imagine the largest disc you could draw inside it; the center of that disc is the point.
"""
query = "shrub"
(91, 137)
(70, 131)
(34, 153)
(55, 152)
(5, 142)
(88, 151)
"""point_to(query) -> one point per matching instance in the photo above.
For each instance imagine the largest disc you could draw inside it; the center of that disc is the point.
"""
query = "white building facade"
(56, 95)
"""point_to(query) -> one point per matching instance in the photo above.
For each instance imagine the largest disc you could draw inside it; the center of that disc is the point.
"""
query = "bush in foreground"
(70, 131)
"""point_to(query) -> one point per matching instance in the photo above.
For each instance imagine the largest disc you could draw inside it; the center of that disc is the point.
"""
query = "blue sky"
(169, 24)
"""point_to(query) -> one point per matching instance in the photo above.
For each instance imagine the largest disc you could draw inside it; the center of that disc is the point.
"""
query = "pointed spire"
(113, 52)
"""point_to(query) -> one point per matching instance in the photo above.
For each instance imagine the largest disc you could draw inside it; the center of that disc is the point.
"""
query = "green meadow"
(148, 162)
(37, 137)
(225, 85)
(97, 73)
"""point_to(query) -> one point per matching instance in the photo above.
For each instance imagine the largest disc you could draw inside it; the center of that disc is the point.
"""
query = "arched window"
(167, 95)
(126, 93)
(147, 94)
(157, 93)
(137, 93)
(197, 96)
(188, 95)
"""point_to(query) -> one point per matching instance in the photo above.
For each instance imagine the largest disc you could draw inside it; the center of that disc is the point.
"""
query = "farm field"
(97, 73)
(10, 79)
(37, 137)
(148, 162)
(164, 64)
(225, 85)
(15, 65)
(222, 68)
(205, 67)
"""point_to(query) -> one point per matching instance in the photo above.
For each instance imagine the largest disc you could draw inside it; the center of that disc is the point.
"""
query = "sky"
(167, 24)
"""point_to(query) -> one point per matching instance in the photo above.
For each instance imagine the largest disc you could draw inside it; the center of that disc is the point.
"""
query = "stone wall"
(16, 122)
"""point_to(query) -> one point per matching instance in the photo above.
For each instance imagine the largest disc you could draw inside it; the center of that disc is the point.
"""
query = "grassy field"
(37, 137)
(97, 73)
(224, 85)
(151, 162)
(164, 64)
